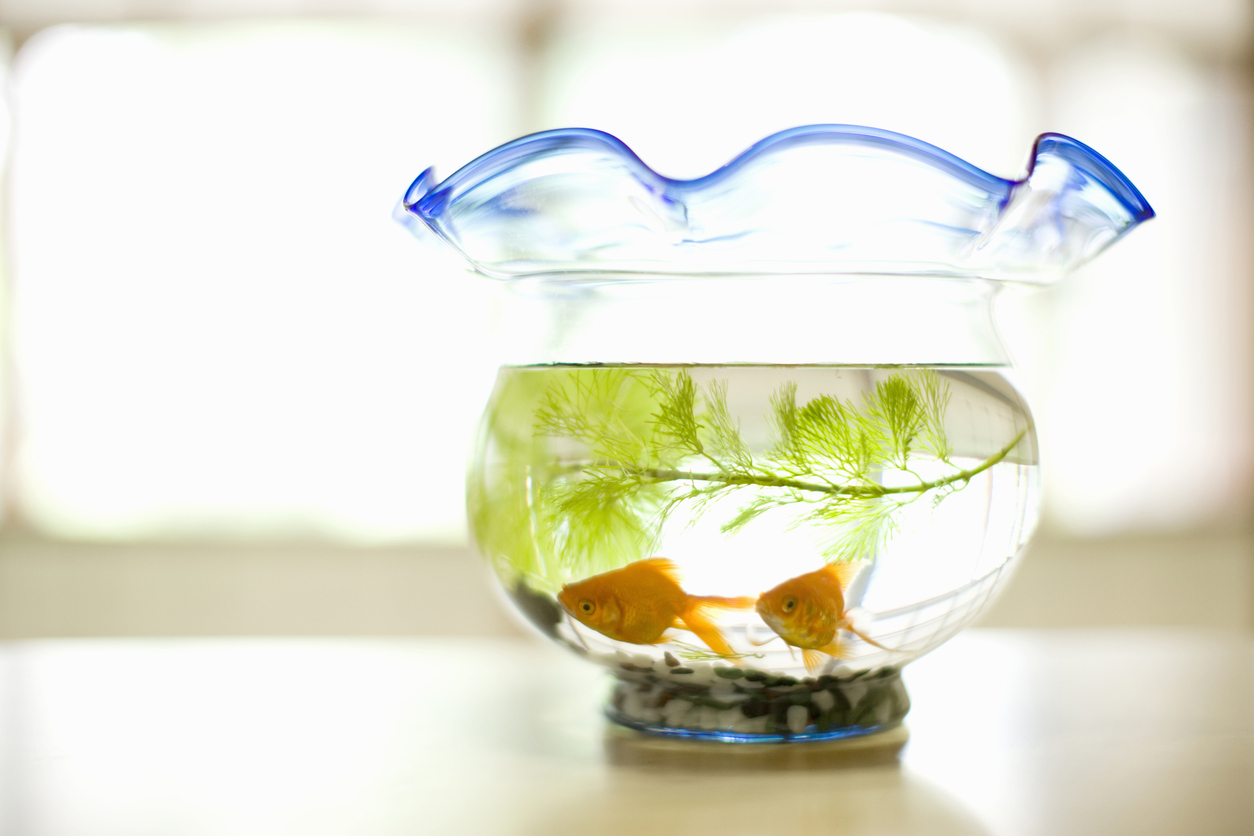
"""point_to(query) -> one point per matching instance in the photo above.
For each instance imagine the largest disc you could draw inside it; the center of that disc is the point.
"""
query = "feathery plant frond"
(722, 432)
(894, 409)
(675, 421)
(602, 518)
(588, 407)
(859, 527)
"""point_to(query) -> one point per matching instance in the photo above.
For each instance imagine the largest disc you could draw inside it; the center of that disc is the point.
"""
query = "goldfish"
(808, 612)
(641, 601)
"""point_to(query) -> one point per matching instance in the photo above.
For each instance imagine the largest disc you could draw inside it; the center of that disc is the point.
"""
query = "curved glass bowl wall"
(755, 443)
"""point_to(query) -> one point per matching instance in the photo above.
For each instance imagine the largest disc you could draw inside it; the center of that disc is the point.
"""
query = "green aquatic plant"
(508, 503)
(613, 453)
(696, 653)
(827, 457)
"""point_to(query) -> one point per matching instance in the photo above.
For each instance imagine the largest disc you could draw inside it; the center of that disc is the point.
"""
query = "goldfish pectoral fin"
(871, 641)
(705, 629)
(755, 643)
(814, 660)
(578, 635)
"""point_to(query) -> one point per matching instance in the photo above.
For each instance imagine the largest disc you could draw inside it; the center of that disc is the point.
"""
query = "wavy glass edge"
(519, 211)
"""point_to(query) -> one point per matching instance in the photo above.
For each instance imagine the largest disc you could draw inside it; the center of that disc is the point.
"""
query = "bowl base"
(739, 705)
(628, 747)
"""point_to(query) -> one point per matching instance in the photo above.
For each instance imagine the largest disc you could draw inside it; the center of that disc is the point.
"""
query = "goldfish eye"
(790, 604)
(586, 607)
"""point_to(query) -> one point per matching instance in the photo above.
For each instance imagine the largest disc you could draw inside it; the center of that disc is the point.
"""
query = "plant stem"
(653, 474)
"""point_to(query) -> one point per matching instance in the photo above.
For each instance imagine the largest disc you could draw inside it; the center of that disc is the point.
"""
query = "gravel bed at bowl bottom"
(708, 700)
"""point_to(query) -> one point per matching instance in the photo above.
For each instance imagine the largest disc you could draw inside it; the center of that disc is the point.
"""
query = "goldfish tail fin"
(871, 641)
(722, 603)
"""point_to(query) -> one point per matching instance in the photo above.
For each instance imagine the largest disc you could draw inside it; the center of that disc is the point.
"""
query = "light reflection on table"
(1045, 732)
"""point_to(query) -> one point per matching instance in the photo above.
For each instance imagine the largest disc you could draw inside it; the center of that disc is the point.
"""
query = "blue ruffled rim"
(1085, 158)
(426, 199)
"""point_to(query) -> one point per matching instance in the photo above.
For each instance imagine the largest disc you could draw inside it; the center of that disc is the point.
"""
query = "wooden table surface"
(1012, 732)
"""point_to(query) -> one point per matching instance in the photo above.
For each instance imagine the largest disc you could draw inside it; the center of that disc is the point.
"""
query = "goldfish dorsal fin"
(662, 566)
(844, 573)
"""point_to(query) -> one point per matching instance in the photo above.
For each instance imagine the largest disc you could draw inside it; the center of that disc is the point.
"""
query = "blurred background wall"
(237, 398)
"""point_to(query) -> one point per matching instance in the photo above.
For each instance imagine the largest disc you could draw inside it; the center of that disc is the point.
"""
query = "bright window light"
(219, 327)
(1148, 390)
(689, 96)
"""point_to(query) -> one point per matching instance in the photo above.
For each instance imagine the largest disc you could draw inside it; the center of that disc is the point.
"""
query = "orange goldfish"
(808, 612)
(641, 601)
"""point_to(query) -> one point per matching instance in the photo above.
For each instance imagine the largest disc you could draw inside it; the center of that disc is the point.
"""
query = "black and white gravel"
(667, 695)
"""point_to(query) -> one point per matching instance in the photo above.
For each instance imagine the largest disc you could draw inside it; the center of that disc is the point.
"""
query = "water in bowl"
(658, 517)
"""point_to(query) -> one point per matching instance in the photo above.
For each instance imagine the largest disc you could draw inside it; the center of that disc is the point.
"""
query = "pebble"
(675, 711)
(823, 699)
(854, 692)
(702, 672)
(728, 717)
(670, 660)
(722, 689)
(642, 660)
(750, 725)
(798, 719)
(708, 718)
(755, 708)
(633, 705)
(748, 684)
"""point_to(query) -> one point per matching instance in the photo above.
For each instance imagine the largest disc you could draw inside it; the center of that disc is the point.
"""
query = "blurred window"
(218, 330)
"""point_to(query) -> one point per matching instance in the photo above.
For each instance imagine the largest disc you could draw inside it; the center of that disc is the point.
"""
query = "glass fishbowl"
(755, 442)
